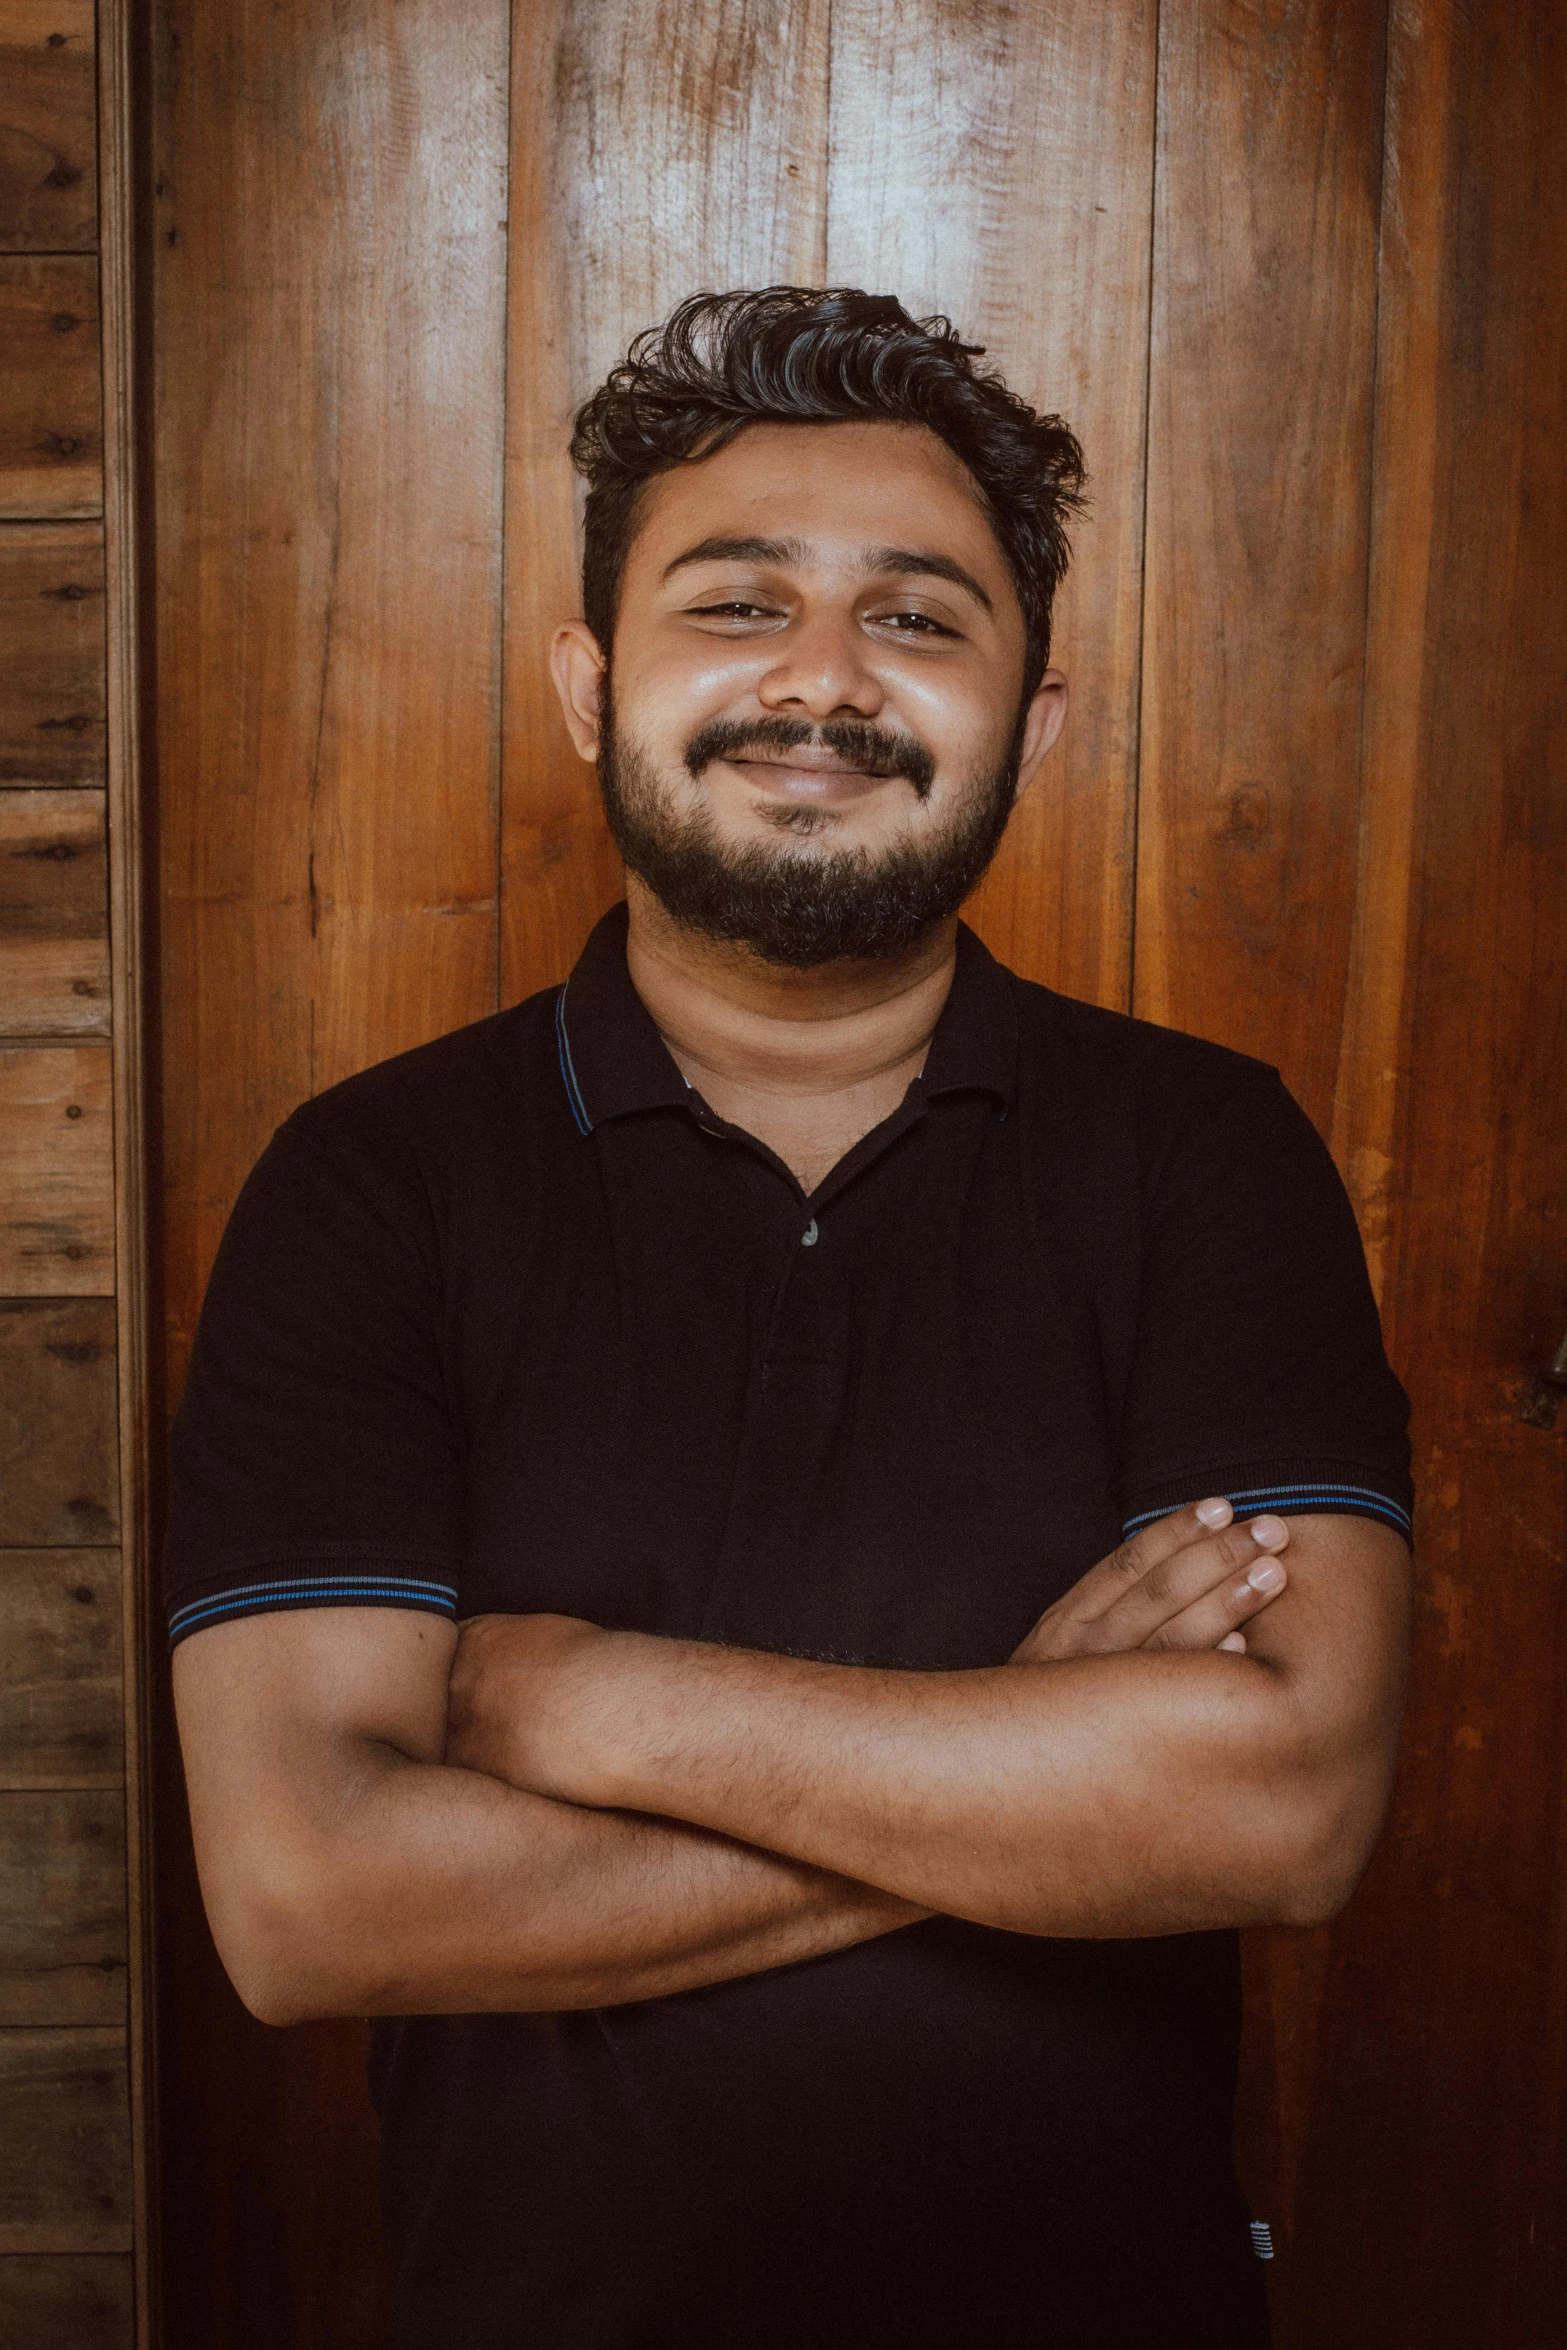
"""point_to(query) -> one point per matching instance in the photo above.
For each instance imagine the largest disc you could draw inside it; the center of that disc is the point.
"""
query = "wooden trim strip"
(116, 169)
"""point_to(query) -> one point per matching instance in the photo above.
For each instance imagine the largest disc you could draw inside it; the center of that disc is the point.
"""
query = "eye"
(732, 608)
(912, 624)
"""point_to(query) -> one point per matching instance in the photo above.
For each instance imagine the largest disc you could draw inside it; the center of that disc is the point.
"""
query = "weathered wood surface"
(51, 394)
(995, 163)
(60, 1691)
(64, 2301)
(52, 678)
(1264, 322)
(56, 1171)
(329, 340)
(48, 127)
(54, 914)
(1441, 2060)
(705, 167)
(64, 2141)
(59, 1478)
(62, 1906)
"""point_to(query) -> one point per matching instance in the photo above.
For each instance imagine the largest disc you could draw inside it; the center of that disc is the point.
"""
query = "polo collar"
(613, 1060)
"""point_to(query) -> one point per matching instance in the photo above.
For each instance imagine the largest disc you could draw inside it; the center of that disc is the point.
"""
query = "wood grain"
(703, 167)
(64, 2141)
(58, 1465)
(48, 128)
(62, 1907)
(123, 175)
(56, 1171)
(52, 679)
(54, 914)
(66, 2302)
(1442, 2050)
(1264, 318)
(51, 393)
(996, 163)
(329, 346)
(60, 1684)
(329, 309)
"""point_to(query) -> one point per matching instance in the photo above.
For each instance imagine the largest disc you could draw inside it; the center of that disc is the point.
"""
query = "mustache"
(874, 750)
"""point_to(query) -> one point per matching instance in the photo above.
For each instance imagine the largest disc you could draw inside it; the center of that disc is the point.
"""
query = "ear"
(1046, 717)
(577, 666)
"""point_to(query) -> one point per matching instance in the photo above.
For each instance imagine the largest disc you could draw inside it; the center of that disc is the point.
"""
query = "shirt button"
(808, 1237)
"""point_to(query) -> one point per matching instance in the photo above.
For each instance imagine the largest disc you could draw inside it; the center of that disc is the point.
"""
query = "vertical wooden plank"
(329, 315)
(123, 178)
(1264, 314)
(329, 332)
(656, 149)
(48, 146)
(1442, 2050)
(995, 163)
(1264, 310)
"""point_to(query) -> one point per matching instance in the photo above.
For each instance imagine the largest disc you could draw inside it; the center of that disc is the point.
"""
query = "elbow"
(278, 1934)
(1335, 1831)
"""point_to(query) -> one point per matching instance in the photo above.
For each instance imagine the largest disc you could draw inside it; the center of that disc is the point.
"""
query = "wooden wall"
(1290, 269)
(70, 2182)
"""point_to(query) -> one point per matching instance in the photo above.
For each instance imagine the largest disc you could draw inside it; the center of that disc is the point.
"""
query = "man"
(911, 1457)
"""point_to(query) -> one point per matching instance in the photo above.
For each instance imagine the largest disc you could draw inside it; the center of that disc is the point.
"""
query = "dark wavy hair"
(808, 355)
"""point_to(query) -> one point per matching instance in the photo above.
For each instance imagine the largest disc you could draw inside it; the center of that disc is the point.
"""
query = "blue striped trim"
(253, 1596)
(568, 1067)
(1362, 1498)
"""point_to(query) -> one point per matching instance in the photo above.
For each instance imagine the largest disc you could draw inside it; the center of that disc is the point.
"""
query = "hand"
(518, 1690)
(1187, 1581)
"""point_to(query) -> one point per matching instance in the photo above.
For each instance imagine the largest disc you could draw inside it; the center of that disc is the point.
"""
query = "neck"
(806, 1060)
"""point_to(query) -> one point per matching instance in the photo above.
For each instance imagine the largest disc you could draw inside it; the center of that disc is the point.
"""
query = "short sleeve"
(313, 1461)
(1258, 1370)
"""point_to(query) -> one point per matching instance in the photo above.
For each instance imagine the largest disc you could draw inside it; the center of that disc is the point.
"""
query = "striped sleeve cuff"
(313, 1584)
(1250, 1494)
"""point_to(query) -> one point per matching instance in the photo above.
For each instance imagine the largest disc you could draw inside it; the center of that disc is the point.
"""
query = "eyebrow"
(909, 562)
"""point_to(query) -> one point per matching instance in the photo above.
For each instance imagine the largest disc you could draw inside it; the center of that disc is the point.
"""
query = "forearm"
(1131, 1794)
(431, 1890)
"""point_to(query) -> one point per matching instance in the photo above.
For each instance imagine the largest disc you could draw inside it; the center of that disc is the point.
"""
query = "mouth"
(814, 779)
(796, 764)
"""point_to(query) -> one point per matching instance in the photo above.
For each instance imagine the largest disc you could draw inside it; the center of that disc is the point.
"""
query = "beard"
(794, 906)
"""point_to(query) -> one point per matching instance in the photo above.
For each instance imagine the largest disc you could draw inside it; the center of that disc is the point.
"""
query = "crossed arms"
(390, 1819)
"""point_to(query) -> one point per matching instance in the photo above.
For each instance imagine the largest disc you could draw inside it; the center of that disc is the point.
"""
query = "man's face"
(813, 740)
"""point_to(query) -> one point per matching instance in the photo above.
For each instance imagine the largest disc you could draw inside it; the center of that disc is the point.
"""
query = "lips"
(838, 760)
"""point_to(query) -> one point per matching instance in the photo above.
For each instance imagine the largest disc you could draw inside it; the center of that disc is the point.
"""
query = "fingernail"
(1272, 1533)
(1216, 1512)
(1269, 1576)
(1235, 1642)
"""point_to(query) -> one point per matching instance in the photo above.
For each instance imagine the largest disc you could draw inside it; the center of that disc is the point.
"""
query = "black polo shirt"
(516, 1322)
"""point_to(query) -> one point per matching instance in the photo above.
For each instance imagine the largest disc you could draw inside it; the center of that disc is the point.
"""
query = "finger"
(1220, 1563)
(1211, 1621)
(1141, 1553)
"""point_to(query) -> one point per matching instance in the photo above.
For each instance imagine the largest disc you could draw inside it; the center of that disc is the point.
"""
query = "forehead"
(834, 488)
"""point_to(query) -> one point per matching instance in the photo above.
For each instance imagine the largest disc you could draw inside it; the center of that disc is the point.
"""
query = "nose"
(821, 672)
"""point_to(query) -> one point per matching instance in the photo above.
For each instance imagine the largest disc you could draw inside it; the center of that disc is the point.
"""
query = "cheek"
(669, 696)
(959, 718)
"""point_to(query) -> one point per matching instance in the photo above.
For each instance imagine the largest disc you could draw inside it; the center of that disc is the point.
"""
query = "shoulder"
(1104, 1073)
(434, 1102)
